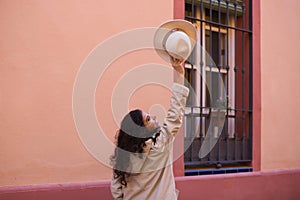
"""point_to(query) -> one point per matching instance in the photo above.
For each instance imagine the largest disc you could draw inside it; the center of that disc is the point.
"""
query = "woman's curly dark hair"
(131, 138)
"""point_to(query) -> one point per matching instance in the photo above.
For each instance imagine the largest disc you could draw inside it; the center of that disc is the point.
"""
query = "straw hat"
(175, 38)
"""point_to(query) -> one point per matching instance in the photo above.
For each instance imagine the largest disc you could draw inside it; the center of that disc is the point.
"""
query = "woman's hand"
(178, 66)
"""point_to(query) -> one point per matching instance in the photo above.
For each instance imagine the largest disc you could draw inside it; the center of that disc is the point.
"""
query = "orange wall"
(280, 48)
(42, 45)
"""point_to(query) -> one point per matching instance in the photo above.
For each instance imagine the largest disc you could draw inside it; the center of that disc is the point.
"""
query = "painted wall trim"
(178, 11)
(256, 117)
(275, 184)
(178, 165)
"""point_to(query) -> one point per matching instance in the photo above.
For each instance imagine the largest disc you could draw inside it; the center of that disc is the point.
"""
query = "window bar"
(218, 78)
(210, 67)
(193, 7)
(235, 85)
(191, 84)
(191, 134)
(227, 81)
(202, 74)
(250, 80)
(217, 24)
(243, 83)
(190, 148)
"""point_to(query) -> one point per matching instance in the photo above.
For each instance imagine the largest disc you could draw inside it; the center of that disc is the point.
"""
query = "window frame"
(231, 49)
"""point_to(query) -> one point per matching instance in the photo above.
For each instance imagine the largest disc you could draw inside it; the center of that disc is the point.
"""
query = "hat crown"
(175, 38)
(178, 45)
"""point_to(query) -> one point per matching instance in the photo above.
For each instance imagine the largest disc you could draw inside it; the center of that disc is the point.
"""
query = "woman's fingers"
(177, 64)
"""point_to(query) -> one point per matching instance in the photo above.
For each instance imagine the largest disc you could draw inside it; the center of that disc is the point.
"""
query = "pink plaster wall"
(42, 46)
(280, 47)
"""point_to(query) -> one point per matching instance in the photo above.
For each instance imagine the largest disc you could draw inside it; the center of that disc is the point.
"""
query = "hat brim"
(164, 29)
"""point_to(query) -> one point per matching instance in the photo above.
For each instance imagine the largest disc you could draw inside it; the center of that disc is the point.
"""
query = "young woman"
(143, 157)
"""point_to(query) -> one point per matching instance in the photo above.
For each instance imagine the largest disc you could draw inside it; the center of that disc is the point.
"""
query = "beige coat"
(152, 176)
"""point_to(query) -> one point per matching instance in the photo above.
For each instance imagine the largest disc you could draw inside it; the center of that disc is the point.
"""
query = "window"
(218, 115)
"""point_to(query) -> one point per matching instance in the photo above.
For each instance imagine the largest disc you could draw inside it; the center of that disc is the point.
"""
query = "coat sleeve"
(173, 120)
(116, 189)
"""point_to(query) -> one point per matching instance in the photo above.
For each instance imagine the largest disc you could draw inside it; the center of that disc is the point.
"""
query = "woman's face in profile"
(150, 122)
